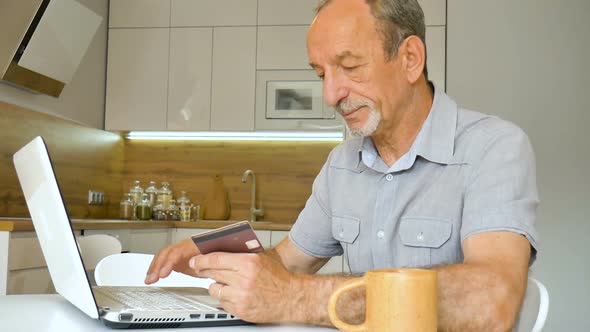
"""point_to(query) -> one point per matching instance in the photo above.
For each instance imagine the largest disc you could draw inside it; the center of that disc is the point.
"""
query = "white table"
(54, 313)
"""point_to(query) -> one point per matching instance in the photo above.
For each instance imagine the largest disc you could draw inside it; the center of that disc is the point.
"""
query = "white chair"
(95, 247)
(535, 308)
(131, 269)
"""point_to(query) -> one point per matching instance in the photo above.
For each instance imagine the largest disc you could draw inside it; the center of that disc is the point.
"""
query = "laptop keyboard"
(152, 299)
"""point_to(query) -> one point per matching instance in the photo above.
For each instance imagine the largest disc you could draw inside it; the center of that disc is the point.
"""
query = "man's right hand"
(172, 258)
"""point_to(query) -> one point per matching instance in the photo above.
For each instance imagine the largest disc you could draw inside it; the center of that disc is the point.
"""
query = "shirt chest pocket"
(346, 230)
(422, 242)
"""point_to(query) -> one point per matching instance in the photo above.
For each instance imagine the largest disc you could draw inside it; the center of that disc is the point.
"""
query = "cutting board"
(216, 203)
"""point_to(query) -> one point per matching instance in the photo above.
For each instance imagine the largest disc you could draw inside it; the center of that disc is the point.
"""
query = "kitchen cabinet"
(27, 270)
(189, 90)
(137, 79)
(282, 47)
(193, 64)
(435, 11)
(289, 12)
(121, 234)
(145, 241)
(22, 266)
(149, 241)
(180, 234)
(232, 95)
(436, 55)
(139, 13)
(195, 13)
(286, 12)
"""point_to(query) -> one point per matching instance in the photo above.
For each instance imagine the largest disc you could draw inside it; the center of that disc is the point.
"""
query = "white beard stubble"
(347, 106)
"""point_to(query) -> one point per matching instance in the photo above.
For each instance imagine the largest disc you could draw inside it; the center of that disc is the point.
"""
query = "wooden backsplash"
(87, 158)
(83, 158)
(284, 171)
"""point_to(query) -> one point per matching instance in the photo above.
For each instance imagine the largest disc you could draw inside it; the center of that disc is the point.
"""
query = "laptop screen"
(53, 226)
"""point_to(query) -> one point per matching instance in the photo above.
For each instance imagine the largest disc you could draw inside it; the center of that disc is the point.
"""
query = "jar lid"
(136, 187)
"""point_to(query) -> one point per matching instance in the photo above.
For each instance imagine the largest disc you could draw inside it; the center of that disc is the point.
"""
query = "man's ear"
(413, 53)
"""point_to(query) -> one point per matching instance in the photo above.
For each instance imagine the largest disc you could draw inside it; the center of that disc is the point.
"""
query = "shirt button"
(389, 177)
(380, 234)
(341, 234)
(420, 237)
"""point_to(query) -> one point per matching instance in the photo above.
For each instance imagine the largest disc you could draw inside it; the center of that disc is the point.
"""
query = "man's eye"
(350, 68)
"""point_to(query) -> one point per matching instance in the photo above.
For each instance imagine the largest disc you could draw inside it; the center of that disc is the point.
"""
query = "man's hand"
(172, 258)
(254, 287)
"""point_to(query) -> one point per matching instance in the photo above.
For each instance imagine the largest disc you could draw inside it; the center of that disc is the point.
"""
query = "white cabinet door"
(137, 79)
(282, 47)
(123, 235)
(435, 47)
(435, 11)
(139, 13)
(148, 241)
(195, 13)
(180, 234)
(264, 237)
(25, 270)
(286, 12)
(189, 91)
(234, 61)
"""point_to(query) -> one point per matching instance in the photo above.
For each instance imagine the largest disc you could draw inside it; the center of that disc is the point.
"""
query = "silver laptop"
(117, 307)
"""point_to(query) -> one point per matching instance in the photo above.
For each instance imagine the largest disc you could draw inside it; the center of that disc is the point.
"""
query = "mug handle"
(345, 287)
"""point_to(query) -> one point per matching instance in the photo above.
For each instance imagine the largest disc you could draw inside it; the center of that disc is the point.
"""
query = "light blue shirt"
(466, 173)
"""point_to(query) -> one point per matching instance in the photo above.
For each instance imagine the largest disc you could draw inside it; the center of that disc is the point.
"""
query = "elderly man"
(425, 184)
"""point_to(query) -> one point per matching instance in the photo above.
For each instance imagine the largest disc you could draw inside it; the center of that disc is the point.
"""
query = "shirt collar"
(438, 131)
(435, 141)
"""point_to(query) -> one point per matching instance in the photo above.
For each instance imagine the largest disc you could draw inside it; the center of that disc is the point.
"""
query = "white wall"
(83, 98)
(528, 61)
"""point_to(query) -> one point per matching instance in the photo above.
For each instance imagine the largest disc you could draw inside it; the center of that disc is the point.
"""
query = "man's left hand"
(253, 287)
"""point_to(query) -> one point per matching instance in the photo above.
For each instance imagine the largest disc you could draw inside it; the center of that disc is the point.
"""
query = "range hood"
(42, 42)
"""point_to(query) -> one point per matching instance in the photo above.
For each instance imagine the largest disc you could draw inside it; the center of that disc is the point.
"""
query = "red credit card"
(238, 237)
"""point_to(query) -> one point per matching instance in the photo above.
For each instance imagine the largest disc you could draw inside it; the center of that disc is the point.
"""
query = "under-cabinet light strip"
(235, 136)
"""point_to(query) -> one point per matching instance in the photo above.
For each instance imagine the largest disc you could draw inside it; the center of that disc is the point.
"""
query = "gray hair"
(398, 19)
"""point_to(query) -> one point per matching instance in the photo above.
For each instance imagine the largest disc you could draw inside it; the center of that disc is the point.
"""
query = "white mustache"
(348, 105)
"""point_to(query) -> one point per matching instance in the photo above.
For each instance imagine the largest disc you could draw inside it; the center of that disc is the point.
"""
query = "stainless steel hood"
(42, 42)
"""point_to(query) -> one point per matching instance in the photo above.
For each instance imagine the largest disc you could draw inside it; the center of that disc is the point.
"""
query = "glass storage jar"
(172, 212)
(126, 208)
(158, 212)
(136, 192)
(165, 194)
(143, 210)
(152, 192)
(184, 207)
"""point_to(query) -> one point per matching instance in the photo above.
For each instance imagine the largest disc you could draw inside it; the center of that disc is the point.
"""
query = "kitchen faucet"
(253, 210)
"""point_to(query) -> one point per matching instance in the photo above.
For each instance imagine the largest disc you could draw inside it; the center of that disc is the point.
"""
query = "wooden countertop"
(25, 224)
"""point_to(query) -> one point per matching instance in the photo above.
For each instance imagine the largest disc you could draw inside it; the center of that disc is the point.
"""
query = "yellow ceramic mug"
(397, 300)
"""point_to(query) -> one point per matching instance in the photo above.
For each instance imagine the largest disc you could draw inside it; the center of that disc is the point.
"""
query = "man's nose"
(334, 90)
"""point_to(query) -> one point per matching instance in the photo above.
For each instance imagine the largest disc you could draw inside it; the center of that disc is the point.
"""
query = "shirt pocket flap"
(345, 229)
(423, 232)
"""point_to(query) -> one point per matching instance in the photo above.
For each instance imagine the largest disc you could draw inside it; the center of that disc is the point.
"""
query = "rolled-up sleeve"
(501, 193)
(312, 232)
